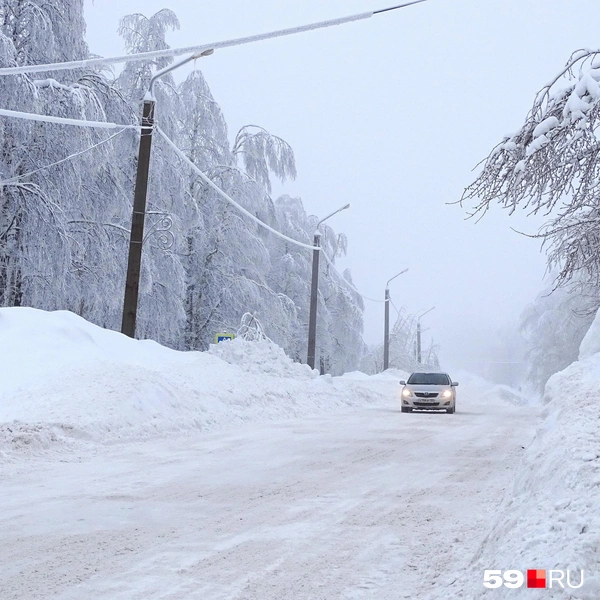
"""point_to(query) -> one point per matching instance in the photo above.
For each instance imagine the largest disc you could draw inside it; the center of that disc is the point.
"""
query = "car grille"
(426, 404)
(426, 394)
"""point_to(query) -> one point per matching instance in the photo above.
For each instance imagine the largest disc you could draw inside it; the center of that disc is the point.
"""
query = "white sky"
(392, 114)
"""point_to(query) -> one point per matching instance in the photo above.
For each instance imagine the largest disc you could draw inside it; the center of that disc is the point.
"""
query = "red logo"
(536, 578)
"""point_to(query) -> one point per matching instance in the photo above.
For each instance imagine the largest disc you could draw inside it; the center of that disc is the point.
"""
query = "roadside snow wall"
(66, 382)
(550, 519)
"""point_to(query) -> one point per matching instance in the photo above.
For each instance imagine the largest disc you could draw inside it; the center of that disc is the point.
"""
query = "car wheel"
(406, 409)
(451, 410)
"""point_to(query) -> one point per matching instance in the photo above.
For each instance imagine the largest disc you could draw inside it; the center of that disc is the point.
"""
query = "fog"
(392, 114)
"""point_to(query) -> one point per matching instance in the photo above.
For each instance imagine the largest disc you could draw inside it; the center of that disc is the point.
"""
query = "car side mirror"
(402, 382)
(455, 383)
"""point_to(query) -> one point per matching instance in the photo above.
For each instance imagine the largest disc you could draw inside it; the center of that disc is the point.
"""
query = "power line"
(229, 199)
(172, 52)
(392, 302)
(182, 156)
(226, 196)
(58, 162)
(346, 281)
(14, 114)
(383, 10)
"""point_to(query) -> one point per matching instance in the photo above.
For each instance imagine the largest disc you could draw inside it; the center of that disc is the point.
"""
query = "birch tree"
(227, 258)
(44, 191)
(291, 269)
(551, 166)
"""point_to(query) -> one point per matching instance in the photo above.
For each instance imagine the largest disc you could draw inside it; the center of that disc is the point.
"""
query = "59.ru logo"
(536, 578)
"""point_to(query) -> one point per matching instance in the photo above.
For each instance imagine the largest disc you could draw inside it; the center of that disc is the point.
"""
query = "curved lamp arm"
(335, 212)
(387, 285)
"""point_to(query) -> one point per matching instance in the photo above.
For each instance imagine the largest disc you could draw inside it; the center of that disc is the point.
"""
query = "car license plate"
(427, 401)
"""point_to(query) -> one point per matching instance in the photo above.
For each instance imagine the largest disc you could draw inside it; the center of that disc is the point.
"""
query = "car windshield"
(429, 379)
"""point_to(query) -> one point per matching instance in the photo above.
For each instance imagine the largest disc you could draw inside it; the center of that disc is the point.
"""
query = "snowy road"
(370, 504)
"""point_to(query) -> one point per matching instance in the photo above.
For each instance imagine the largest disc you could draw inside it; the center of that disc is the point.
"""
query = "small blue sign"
(221, 337)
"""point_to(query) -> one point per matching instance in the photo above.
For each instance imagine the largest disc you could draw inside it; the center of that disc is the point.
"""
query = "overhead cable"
(226, 196)
(12, 180)
(346, 281)
(63, 121)
(172, 52)
(395, 308)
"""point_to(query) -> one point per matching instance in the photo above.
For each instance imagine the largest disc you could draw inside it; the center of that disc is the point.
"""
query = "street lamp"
(419, 333)
(134, 261)
(312, 317)
(386, 331)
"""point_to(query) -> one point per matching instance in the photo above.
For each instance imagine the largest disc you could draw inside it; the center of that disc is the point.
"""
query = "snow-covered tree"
(551, 166)
(146, 34)
(263, 155)
(291, 269)
(339, 309)
(51, 172)
(553, 327)
(345, 331)
(227, 257)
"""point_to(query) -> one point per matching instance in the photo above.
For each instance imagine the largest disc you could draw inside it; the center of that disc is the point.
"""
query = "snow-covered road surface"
(368, 504)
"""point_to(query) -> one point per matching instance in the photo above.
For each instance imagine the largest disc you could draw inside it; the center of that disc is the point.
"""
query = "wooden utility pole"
(132, 282)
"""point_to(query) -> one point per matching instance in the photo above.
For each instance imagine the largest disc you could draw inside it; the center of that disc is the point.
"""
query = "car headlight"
(446, 394)
(406, 392)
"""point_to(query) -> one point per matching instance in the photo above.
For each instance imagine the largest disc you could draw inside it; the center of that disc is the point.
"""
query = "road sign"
(221, 337)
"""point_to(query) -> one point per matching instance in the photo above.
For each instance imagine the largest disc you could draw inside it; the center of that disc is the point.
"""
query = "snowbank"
(391, 375)
(66, 382)
(262, 358)
(490, 393)
(590, 344)
(550, 519)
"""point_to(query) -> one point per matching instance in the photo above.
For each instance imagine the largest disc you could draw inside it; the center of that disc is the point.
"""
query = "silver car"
(429, 391)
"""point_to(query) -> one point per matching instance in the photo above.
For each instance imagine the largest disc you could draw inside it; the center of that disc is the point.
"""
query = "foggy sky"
(392, 114)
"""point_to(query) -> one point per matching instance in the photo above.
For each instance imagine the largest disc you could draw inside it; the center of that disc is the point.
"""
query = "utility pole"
(418, 349)
(386, 331)
(134, 262)
(314, 290)
(312, 319)
(386, 327)
(136, 238)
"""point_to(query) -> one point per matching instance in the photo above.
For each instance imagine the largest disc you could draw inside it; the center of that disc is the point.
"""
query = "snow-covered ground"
(132, 471)
(68, 383)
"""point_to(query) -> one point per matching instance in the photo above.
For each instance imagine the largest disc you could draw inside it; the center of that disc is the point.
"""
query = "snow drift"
(68, 382)
(550, 518)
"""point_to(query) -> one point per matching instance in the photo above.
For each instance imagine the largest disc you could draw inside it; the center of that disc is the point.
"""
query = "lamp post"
(419, 333)
(386, 330)
(312, 316)
(134, 260)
